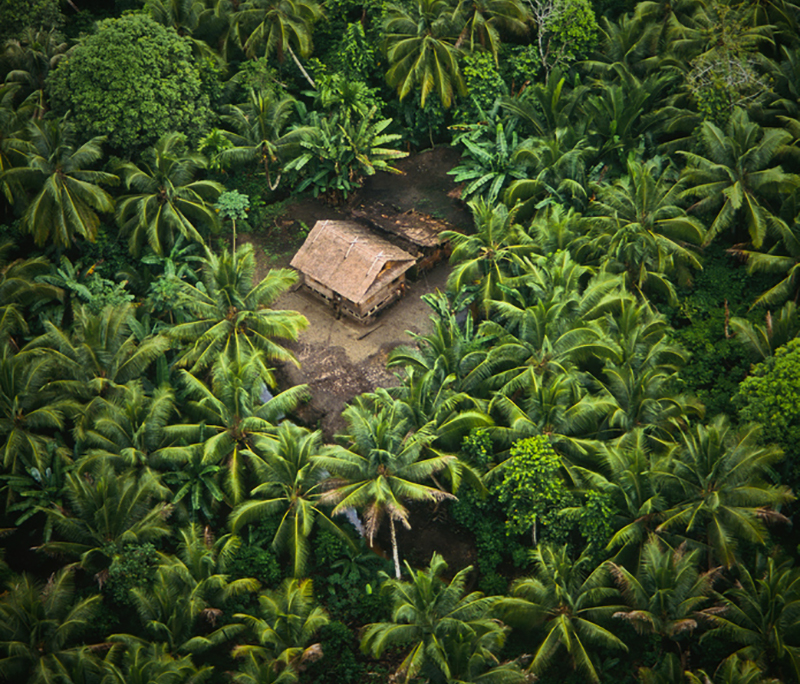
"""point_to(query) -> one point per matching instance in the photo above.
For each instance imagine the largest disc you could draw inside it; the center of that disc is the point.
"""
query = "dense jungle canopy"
(613, 426)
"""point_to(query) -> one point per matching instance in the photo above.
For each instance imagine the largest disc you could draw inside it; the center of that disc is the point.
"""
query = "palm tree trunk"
(395, 554)
(300, 66)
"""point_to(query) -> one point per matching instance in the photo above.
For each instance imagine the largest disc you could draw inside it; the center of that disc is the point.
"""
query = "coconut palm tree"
(557, 172)
(639, 227)
(33, 56)
(762, 615)
(732, 670)
(20, 287)
(383, 467)
(66, 193)
(270, 27)
(290, 489)
(559, 406)
(128, 429)
(763, 340)
(738, 176)
(421, 49)
(286, 622)
(105, 511)
(165, 199)
(452, 349)
(625, 477)
(782, 258)
(432, 617)
(29, 412)
(228, 418)
(569, 604)
(42, 627)
(13, 125)
(186, 17)
(487, 259)
(716, 484)
(189, 594)
(259, 132)
(549, 106)
(486, 19)
(98, 358)
(232, 312)
(135, 661)
(667, 595)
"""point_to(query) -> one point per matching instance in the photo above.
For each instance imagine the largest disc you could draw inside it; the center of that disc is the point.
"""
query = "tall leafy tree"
(165, 199)
(66, 192)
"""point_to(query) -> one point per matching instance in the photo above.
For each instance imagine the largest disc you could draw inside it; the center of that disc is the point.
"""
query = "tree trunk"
(395, 554)
(300, 66)
(233, 241)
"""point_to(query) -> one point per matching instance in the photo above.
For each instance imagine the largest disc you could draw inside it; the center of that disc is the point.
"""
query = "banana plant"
(488, 163)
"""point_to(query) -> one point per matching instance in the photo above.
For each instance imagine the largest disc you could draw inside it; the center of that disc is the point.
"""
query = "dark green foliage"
(770, 395)
(594, 519)
(483, 518)
(134, 568)
(256, 561)
(350, 579)
(717, 364)
(484, 83)
(133, 81)
(16, 15)
(255, 557)
(341, 663)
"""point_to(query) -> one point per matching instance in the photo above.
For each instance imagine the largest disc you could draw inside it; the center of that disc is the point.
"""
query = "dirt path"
(340, 359)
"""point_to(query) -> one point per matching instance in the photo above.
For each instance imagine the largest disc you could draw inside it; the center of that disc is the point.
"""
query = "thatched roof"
(349, 259)
(416, 227)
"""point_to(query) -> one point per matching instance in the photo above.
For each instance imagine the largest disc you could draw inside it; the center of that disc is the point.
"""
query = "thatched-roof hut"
(348, 266)
(416, 232)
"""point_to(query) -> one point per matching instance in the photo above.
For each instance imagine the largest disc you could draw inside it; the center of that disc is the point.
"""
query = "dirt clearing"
(340, 359)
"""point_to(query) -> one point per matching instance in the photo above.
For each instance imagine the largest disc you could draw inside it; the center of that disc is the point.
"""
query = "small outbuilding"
(348, 266)
(416, 232)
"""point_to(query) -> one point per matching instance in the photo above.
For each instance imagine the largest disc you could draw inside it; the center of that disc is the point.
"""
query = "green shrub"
(133, 81)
